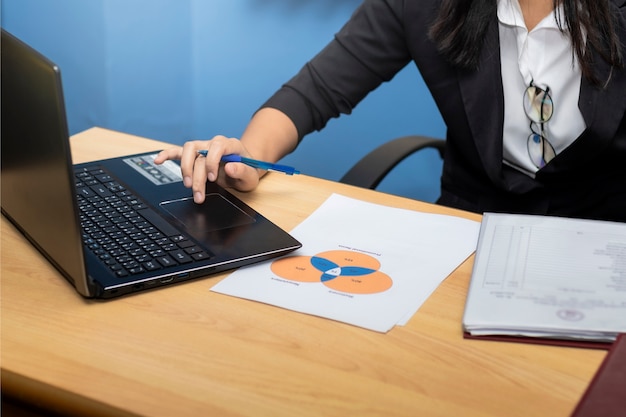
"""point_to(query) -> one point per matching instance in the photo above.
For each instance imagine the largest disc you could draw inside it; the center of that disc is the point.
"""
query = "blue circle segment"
(331, 270)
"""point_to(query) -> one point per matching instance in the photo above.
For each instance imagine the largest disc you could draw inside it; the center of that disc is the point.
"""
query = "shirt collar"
(510, 14)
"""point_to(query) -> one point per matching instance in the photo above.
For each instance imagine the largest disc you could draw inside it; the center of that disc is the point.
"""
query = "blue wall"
(184, 69)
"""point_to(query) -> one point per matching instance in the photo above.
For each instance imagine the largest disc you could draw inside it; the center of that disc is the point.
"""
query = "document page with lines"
(548, 277)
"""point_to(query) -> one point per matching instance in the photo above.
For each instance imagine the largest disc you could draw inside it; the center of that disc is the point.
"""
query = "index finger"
(189, 154)
(173, 153)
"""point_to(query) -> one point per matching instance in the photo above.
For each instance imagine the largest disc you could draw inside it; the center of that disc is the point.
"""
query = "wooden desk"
(185, 351)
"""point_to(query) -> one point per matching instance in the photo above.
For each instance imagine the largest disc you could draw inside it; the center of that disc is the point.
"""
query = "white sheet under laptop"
(548, 277)
(361, 263)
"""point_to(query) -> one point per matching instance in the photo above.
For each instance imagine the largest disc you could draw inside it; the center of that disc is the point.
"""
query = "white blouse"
(545, 56)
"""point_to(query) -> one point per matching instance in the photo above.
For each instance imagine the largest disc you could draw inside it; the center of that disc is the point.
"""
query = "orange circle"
(364, 284)
(296, 268)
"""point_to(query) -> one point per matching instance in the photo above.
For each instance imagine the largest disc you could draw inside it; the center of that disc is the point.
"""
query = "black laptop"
(114, 226)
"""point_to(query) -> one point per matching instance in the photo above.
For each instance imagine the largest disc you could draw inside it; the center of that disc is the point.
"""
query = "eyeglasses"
(538, 109)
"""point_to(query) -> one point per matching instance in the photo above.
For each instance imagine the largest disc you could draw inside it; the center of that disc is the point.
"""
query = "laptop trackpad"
(214, 214)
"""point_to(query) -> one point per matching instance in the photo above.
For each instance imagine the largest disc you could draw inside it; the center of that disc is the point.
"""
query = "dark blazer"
(588, 179)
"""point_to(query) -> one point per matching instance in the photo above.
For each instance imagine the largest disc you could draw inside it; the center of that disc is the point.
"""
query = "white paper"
(361, 263)
(548, 277)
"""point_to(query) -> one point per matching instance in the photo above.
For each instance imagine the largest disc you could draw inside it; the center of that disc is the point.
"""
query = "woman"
(533, 94)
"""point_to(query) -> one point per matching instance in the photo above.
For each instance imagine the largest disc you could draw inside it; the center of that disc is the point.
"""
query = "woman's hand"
(269, 136)
(197, 169)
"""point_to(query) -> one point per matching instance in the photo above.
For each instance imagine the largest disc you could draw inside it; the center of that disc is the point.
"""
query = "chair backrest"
(370, 170)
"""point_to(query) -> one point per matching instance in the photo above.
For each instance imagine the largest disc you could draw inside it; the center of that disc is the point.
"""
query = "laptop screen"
(37, 180)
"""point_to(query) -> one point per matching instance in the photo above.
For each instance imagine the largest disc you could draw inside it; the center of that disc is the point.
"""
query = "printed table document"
(361, 263)
(548, 277)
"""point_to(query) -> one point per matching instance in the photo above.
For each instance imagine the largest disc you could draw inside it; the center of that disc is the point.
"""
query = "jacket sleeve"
(368, 50)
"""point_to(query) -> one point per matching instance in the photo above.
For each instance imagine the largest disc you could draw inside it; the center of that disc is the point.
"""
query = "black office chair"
(370, 170)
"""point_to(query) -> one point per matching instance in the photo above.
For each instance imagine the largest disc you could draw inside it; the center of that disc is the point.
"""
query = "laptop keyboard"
(126, 234)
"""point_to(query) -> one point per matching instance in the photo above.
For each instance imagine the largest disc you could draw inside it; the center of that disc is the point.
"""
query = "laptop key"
(181, 256)
(186, 244)
(200, 256)
(178, 238)
(192, 249)
(166, 261)
(151, 265)
(86, 192)
(100, 190)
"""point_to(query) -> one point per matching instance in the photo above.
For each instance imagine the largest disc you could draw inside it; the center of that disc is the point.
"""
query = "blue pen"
(256, 163)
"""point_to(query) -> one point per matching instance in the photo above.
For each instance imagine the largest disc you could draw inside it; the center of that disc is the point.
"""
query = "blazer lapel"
(602, 108)
(483, 99)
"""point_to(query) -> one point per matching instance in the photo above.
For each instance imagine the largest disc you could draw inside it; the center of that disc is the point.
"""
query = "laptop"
(115, 226)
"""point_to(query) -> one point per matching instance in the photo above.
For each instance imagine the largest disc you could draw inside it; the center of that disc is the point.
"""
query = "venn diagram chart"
(340, 270)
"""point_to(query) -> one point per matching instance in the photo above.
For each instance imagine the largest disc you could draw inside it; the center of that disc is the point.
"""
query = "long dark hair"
(460, 27)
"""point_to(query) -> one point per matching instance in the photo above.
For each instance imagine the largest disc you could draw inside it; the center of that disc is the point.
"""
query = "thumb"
(241, 177)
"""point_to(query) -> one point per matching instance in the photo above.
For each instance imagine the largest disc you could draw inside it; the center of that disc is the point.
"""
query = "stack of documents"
(548, 277)
(361, 263)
